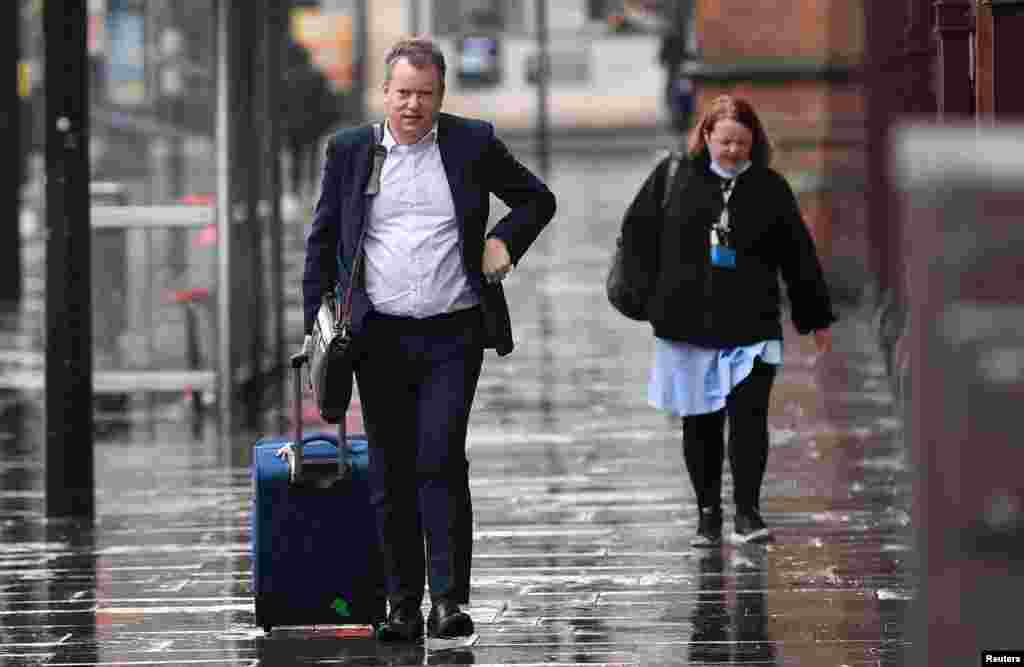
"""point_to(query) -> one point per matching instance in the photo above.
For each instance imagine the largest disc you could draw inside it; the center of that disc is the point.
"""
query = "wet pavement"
(583, 511)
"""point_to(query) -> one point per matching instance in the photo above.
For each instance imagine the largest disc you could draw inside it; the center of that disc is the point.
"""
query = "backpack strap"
(674, 158)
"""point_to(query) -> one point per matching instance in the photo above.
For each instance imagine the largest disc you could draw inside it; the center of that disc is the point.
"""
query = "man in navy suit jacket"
(426, 303)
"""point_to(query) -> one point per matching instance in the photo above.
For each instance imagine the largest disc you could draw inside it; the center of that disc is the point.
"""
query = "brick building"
(943, 97)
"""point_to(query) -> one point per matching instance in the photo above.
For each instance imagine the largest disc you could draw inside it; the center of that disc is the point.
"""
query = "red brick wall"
(816, 126)
(730, 29)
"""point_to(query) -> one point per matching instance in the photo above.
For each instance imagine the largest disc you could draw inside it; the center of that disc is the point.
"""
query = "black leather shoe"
(403, 624)
(447, 620)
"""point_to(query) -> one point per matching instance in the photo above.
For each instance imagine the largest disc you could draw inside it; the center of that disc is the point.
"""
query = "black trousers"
(417, 379)
(704, 442)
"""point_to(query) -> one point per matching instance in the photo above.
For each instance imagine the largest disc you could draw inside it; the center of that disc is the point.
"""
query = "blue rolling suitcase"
(315, 559)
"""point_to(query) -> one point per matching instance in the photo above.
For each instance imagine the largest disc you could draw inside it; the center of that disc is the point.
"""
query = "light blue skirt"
(691, 380)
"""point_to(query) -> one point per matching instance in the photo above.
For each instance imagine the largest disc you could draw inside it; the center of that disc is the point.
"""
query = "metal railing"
(144, 232)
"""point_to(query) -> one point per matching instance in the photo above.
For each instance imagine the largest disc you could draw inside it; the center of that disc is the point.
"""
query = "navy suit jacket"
(477, 164)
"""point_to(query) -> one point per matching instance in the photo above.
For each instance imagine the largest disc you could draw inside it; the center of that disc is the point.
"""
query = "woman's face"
(729, 143)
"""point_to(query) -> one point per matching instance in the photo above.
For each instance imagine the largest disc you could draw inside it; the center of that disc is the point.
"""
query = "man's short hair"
(419, 52)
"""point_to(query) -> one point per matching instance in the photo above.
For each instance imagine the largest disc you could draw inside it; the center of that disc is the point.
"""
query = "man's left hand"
(497, 263)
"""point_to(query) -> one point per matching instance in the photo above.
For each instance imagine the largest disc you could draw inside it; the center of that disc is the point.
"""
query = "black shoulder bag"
(621, 287)
(334, 352)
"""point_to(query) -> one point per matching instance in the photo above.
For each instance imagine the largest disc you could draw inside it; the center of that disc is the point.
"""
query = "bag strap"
(344, 315)
(377, 155)
(674, 158)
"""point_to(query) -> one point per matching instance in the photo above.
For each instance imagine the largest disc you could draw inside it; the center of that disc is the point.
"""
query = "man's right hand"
(497, 263)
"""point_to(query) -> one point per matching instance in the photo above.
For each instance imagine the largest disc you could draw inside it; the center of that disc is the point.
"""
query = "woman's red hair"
(736, 109)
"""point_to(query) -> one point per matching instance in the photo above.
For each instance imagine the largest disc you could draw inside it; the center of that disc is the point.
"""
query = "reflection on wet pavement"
(582, 506)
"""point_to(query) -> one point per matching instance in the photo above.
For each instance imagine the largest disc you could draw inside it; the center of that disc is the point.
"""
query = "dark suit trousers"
(704, 442)
(417, 379)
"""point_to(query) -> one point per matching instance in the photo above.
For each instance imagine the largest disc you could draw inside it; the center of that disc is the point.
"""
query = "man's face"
(412, 100)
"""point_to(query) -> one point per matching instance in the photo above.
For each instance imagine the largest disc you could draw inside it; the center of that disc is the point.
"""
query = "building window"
(455, 17)
(600, 10)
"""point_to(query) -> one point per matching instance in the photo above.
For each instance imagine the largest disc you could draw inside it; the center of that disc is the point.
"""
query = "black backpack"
(624, 291)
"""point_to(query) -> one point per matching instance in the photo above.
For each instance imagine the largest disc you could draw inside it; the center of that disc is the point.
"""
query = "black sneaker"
(447, 621)
(709, 528)
(749, 528)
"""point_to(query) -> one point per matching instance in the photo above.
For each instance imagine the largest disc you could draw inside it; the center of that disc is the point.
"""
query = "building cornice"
(770, 71)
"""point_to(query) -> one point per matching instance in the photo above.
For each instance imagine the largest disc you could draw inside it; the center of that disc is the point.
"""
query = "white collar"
(390, 142)
(721, 171)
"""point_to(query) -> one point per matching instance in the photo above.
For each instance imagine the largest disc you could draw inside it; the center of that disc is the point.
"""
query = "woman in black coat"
(712, 257)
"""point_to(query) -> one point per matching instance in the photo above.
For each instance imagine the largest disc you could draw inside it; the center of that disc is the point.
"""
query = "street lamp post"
(543, 72)
(275, 32)
(226, 93)
(10, 135)
(70, 483)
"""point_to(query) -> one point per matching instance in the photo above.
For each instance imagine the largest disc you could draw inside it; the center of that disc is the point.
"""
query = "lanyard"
(720, 230)
(723, 218)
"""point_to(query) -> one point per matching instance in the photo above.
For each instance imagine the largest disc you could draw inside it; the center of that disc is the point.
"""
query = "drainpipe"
(953, 30)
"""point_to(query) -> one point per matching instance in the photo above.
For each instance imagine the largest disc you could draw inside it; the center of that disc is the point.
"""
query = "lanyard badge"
(723, 255)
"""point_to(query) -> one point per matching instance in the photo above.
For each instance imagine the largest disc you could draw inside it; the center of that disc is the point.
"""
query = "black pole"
(229, 182)
(10, 138)
(543, 71)
(359, 84)
(172, 105)
(274, 44)
(69, 395)
(414, 17)
(252, 18)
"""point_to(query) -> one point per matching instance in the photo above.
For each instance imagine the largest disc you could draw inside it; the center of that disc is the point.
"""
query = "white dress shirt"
(413, 250)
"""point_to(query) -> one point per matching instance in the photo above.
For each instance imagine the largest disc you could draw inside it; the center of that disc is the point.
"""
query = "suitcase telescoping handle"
(295, 461)
(312, 472)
